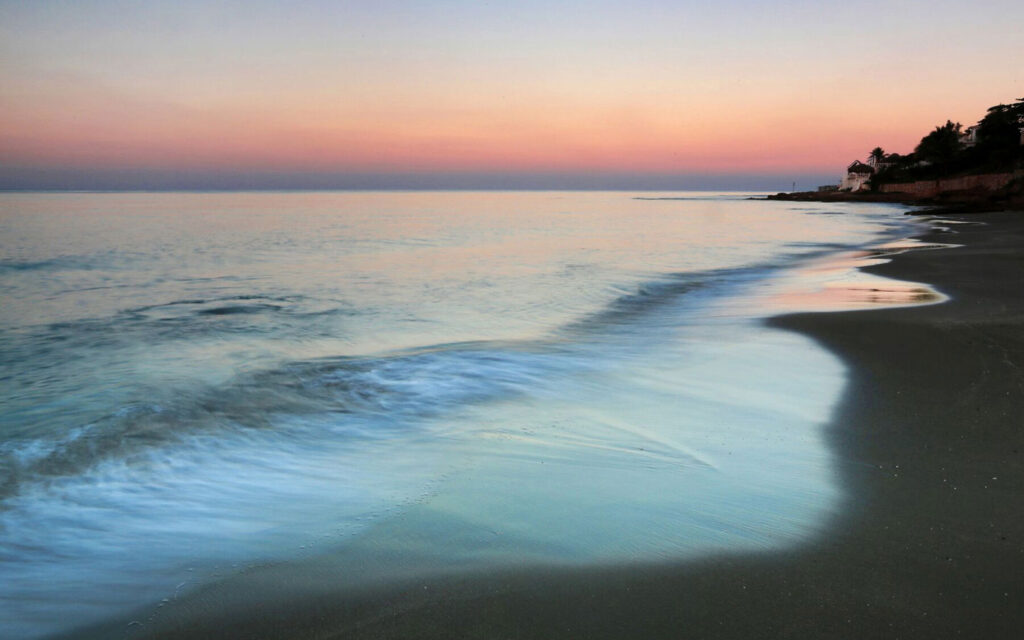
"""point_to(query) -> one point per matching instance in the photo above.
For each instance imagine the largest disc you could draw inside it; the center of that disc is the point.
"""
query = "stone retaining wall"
(931, 188)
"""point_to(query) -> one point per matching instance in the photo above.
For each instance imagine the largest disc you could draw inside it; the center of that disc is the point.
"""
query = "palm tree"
(877, 155)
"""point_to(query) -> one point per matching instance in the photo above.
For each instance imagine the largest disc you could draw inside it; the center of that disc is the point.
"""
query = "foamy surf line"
(219, 490)
(243, 473)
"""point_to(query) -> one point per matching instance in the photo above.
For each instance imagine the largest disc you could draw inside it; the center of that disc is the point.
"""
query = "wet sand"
(928, 439)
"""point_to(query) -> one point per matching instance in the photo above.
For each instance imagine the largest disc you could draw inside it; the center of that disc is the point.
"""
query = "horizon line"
(13, 179)
(367, 189)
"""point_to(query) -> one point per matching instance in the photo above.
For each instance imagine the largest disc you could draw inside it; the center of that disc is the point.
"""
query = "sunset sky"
(389, 93)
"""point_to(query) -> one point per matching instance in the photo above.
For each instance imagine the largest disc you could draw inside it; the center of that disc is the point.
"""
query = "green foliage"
(941, 154)
(941, 145)
(999, 131)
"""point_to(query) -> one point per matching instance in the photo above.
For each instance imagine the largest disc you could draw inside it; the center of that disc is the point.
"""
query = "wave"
(113, 259)
(62, 263)
(390, 392)
(186, 310)
(186, 319)
(654, 303)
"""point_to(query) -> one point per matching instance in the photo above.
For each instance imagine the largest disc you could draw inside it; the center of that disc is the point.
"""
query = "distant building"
(883, 163)
(969, 136)
(857, 177)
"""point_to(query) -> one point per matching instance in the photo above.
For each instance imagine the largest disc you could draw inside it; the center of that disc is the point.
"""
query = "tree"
(941, 145)
(999, 130)
(877, 154)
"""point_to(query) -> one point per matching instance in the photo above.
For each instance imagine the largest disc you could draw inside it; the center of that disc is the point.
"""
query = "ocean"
(198, 384)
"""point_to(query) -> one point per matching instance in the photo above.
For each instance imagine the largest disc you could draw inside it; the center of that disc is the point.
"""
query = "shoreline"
(945, 203)
(930, 542)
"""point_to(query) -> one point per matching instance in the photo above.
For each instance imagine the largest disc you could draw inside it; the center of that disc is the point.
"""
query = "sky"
(459, 94)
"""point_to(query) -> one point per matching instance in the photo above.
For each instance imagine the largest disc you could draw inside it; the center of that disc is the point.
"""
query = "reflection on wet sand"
(838, 283)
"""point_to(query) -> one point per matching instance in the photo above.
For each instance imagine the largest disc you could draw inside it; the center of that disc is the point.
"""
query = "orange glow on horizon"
(443, 88)
(540, 134)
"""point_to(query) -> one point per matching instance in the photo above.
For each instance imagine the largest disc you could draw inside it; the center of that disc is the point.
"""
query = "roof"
(859, 167)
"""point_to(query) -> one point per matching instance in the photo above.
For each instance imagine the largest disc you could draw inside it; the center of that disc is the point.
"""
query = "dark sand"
(929, 439)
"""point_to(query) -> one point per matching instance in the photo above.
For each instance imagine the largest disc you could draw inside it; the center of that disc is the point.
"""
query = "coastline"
(930, 544)
(1009, 198)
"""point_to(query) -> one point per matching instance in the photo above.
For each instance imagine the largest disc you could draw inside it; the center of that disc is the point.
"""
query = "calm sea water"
(193, 384)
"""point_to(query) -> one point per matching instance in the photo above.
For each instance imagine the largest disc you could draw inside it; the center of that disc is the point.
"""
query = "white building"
(969, 137)
(857, 177)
